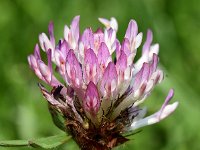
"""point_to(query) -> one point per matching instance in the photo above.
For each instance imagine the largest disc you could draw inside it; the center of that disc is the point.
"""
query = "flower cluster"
(103, 85)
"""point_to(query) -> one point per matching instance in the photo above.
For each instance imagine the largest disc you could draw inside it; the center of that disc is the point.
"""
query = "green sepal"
(131, 134)
(57, 118)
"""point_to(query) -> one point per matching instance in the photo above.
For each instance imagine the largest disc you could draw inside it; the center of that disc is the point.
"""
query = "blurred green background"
(176, 27)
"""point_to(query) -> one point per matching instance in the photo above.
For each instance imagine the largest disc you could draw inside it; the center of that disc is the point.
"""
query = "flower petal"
(98, 39)
(72, 35)
(51, 34)
(121, 66)
(92, 99)
(64, 48)
(74, 71)
(147, 43)
(109, 80)
(141, 76)
(138, 40)
(103, 56)
(110, 39)
(131, 31)
(164, 112)
(91, 67)
(37, 52)
(154, 49)
(88, 39)
(112, 23)
(126, 47)
(75, 28)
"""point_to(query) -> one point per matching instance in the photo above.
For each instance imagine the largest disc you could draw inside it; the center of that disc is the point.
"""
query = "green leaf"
(14, 143)
(46, 143)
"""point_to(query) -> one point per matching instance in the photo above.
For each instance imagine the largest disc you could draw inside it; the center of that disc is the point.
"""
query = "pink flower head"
(102, 85)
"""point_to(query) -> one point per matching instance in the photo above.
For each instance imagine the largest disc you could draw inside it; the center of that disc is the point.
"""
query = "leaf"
(46, 143)
(14, 143)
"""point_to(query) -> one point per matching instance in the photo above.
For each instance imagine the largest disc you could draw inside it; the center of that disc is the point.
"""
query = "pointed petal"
(153, 72)
(118, 49)
(138, 40)
(126, 47)
(32, 62)
(121, 66)
(91, 67)
(141, 77)
(111, 35)
(145, 73)
(121, 63)
(52, 80)
(45, 71)
(37, 52)
(51, 33)
(164, 112)
(45, 43)
(131, 31)
(112, 23)
(98, 39)
(154, 49)
(59, 58)
(49, 57)
(64, 48)
(88, 38)
(60, 61)
(167, 100)
(147, 44)
(145, 53)
(109, 80)
(154, 63)
(103, 56)
(75, 28)
(73, 68)
(105, 22)
(110, 39)
(154, 118)
(66, 33)
(92, 100)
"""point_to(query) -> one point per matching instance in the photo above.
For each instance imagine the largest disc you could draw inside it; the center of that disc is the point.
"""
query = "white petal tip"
(170, 108)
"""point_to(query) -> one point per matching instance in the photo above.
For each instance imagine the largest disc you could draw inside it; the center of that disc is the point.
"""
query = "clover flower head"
(102, 85)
